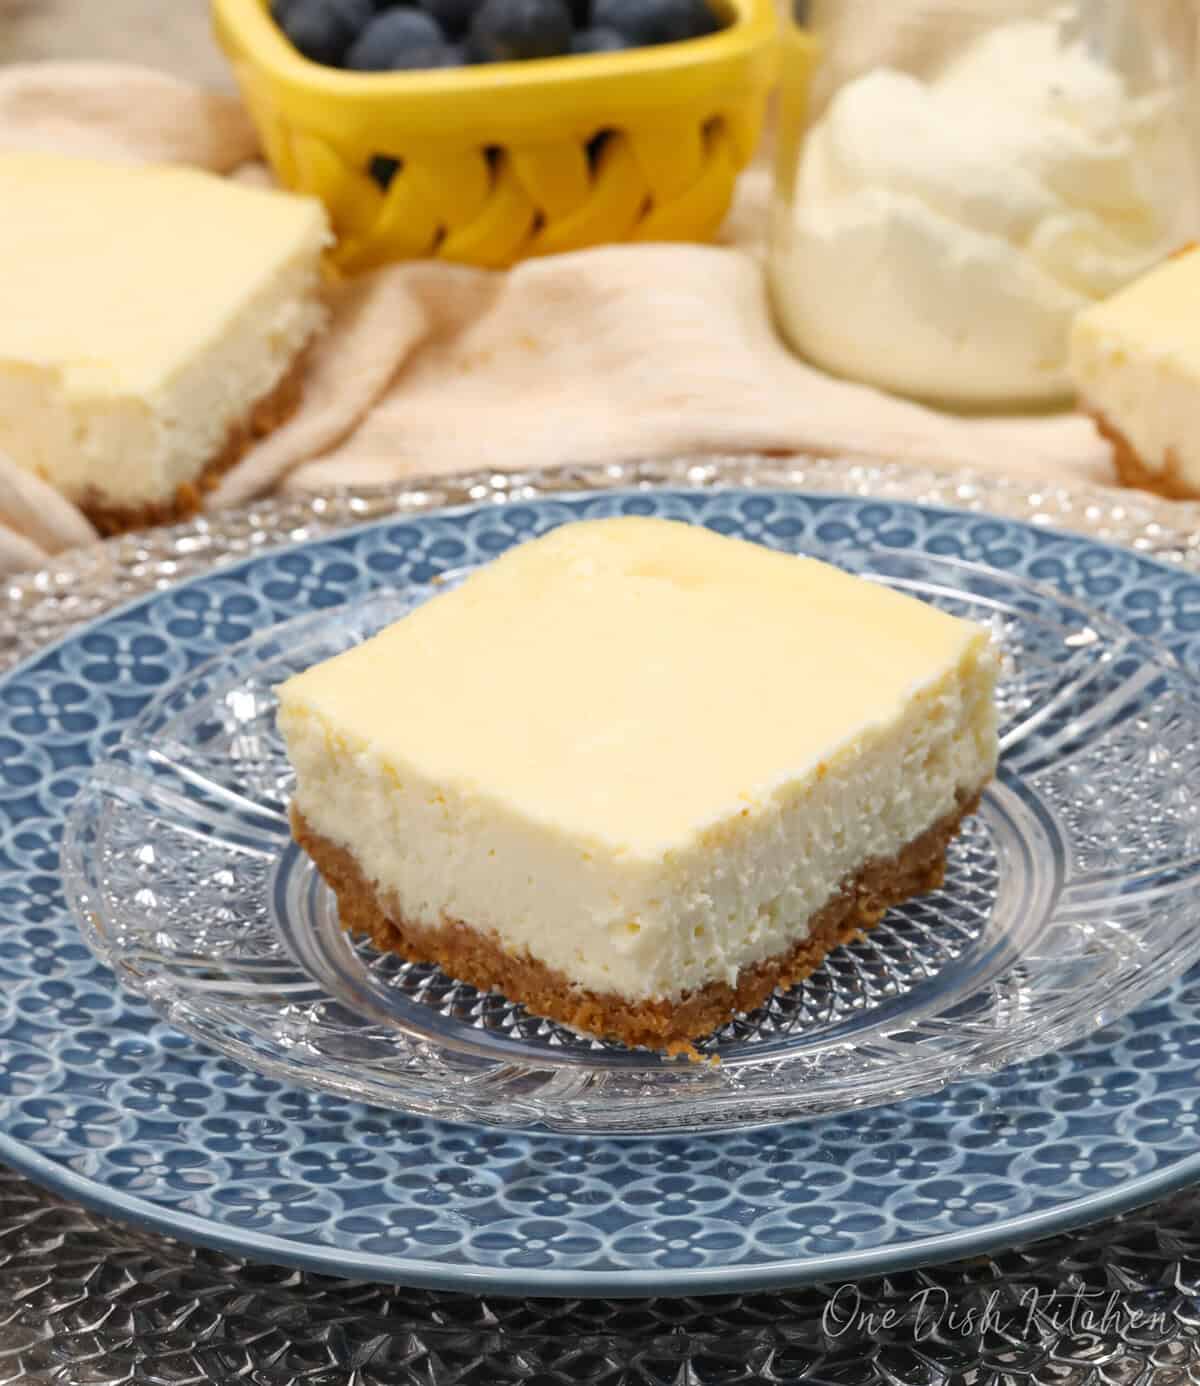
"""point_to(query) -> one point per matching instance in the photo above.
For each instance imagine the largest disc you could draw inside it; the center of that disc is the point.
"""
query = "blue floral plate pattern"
(102, 1098)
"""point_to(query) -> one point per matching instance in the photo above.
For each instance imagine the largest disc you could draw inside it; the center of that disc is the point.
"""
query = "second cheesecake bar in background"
(168, 334)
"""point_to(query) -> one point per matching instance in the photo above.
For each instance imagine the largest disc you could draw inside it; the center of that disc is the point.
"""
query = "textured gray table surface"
(85, 1300)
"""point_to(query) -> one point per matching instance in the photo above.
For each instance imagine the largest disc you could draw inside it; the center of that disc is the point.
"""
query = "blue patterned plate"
(102, 1098)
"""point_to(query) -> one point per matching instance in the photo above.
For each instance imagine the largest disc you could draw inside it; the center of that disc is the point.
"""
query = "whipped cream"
(944, 234)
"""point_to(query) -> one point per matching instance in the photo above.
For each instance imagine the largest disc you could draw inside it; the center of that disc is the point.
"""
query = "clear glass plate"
(1069, 899)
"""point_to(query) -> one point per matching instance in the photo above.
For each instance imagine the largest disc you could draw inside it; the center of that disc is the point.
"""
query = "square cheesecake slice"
(153, 324)
(1135, 363)
(636, 775)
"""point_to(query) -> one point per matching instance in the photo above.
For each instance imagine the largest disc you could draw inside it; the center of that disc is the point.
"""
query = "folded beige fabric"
(608, 354)
(110, 111)
(34, 520)
(601, 355)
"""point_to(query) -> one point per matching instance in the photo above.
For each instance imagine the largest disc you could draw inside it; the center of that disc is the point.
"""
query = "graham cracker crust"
(667, 1025)
(264, 417)
(1170, 483)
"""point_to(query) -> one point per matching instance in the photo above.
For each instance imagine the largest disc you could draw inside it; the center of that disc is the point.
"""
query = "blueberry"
(429, 55)
(705, 20)
(323, 29)
(655, 21)
(454, 16)
(508, 30)
(392, 39)
(599, 41)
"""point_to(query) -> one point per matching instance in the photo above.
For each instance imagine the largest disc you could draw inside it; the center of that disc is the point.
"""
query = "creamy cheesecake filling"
(76, 427)
(736, 891)
(179, 302)
(1151, 400)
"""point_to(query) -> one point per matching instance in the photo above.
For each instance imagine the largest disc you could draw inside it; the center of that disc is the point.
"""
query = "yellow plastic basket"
(494, 163)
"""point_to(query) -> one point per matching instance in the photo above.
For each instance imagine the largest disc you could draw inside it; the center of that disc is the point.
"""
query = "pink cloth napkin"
(601, 355)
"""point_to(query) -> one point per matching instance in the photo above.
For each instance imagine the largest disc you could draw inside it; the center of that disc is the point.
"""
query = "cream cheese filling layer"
(84, 432)
(736, 890)
(1152, 401)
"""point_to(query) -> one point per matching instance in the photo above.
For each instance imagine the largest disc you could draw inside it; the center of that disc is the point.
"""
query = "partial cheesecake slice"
(1135, 362)
(152, 322)
(635, 775)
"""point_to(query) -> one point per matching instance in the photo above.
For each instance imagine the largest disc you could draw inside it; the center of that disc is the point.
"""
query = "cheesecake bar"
(1135, 363)
(152, 324)
(635, 775)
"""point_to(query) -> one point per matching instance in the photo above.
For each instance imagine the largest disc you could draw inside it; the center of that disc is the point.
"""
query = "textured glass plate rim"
(773, 1109)
(68, 596)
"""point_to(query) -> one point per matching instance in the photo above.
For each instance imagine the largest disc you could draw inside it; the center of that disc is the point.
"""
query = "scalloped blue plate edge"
(457, 1277)
(430, 1275)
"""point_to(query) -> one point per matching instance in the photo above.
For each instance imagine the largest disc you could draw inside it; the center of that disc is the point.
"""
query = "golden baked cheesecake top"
(633, 678)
